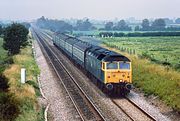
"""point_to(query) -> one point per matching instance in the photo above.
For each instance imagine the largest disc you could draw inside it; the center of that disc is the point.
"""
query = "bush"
(15, 38)
(9, 60)
(8, 107)
(177, 67)
(36, 87)
(3, 83)
(138, 34)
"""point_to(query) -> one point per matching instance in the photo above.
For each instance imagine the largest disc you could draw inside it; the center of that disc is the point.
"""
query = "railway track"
(132, 110)
(85, 107)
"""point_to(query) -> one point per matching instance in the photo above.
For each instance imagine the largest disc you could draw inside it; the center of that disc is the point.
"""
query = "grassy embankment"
(150, 77)
(161, 50)
(20, 100)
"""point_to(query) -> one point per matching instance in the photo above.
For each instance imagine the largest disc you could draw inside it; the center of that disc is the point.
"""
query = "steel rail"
(133, 103)
(136, 106)
(101, 117)
(142, 110)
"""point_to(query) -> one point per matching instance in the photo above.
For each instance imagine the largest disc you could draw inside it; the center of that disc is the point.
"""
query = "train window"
(103, 65)
(124, 65)
(113, 65)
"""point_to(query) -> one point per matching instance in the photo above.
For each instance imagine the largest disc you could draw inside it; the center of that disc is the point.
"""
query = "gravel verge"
(131, 110)
(108, 109)
(103, 102)
(158, 104)
(61, 108)
(150, 109)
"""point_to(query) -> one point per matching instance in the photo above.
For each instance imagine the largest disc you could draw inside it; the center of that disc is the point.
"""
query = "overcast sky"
(94, 9)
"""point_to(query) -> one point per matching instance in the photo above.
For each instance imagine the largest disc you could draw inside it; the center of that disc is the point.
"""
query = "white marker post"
(23, 75)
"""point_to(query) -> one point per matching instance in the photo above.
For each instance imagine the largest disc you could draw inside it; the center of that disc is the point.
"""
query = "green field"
(150, 77)
(162, 50)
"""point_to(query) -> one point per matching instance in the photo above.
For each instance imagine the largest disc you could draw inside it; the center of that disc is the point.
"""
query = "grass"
(155, 79)
(3, 56)
(3, 53)
(24, 96)
(162, 50)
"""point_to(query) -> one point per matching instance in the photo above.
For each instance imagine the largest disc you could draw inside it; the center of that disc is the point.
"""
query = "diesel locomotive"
(112, 71)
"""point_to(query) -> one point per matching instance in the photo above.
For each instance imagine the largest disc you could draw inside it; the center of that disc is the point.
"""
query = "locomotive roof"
(106, 55)
(115, 57)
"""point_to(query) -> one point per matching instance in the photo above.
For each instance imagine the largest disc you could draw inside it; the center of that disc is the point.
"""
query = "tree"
(168, 21)
(79, 24)
(15, 37)
(137, 28)
(122, 26)
(83, 25)
(177, 21)
(26, 24)
(87, 24)
(1, 29)
(109, 26)
(158, 24)
(53, 25)
(41, 22)
(145, 25)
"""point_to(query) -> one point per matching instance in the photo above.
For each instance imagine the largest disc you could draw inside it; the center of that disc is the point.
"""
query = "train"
(111, 71)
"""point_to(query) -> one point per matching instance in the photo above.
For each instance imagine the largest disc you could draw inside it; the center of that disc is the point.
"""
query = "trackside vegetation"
(138, 34)
(15, 38)
(160, 50)
(152, 78)
(18, 102)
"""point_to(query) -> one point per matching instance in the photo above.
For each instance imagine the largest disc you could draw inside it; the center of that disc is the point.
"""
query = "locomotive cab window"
(112, 65)
(103, 65)
(124, 65)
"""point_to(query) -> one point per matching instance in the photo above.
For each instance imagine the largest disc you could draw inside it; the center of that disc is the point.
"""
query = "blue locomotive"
(111, 70)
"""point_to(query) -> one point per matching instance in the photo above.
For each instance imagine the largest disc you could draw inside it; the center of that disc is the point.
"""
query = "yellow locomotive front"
(117, 75)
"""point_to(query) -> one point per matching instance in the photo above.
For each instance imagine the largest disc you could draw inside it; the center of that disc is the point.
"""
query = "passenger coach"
(112, 71)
